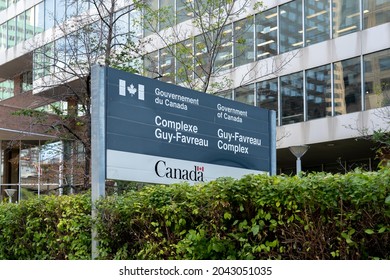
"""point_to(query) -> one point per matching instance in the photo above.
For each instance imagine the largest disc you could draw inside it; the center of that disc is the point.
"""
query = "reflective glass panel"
(30, 23)
(29, 170)
(150, 21)
(11, 40)
(20, 27)
(377, 79)
(347, 86)
(60, 8)
(183, 10)
(49, 14)
(224, 52)
(225, 94)
(39, 18)
(167, 13)
(184, 62)
(291, 34)
(6, 89)
(375, 12)
(267, 94)
(3, 36)
(245, 94)
(151, 65)
(201, 59)
(243, 41)
(167, 65)
(291, 91)
(266, 34)
(316, 21)
(346, 17)
(318, 92)
(3, 4)
(122, 26)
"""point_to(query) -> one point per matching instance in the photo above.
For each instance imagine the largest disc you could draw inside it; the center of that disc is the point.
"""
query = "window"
(316, 21)
(122, 26)
(183, 10)
(291, 35)
(151, 65)
(375, 12)
(11, 39)
(184, 61)
(266, 34)
(27, 81)
(167, 65)
(318, 92)
(61, 10)
(224, 52)
(346, 17)
(20, 28)
(245, 94)
(3, 36)
(39, 18)
(49, 14)
(225, 94)
(166, 14)
(6, 89)
(150, 21)
(267, 94)
(243, 41)
(30, 23)
(377, 79)
(291, 91)
(201, 58)
(347, 86)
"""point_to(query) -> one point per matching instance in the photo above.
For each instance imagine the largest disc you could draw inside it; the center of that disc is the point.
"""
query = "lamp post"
(298, 152)
(10, 193)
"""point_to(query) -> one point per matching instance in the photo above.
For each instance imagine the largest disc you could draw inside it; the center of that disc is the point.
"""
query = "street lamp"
(10, 193)
(298, 152)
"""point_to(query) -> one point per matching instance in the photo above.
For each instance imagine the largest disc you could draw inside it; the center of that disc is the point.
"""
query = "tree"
(95, 32)
(196, 39)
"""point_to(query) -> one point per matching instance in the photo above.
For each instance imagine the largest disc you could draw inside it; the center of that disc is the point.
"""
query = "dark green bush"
(316, 216)
(49, 227)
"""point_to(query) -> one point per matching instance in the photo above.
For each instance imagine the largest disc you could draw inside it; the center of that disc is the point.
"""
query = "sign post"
(150, 131)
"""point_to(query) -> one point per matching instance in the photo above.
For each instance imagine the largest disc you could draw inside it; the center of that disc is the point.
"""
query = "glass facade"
(328, 90)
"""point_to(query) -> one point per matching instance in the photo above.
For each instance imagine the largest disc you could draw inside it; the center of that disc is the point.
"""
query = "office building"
(322, 65)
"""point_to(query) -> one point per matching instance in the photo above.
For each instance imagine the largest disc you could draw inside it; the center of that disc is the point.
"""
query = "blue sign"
(163, 133)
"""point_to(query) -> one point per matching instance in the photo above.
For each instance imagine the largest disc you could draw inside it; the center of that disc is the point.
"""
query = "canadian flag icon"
(200, 168)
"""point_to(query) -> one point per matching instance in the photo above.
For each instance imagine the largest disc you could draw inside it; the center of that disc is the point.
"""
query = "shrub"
(49, 227)
(316, 216)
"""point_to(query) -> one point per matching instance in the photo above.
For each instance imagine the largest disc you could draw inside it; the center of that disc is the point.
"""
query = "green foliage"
(48, 227)
(315, 216)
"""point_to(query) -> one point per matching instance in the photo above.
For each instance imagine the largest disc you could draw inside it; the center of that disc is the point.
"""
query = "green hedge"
(49, 227)
(317, 216)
